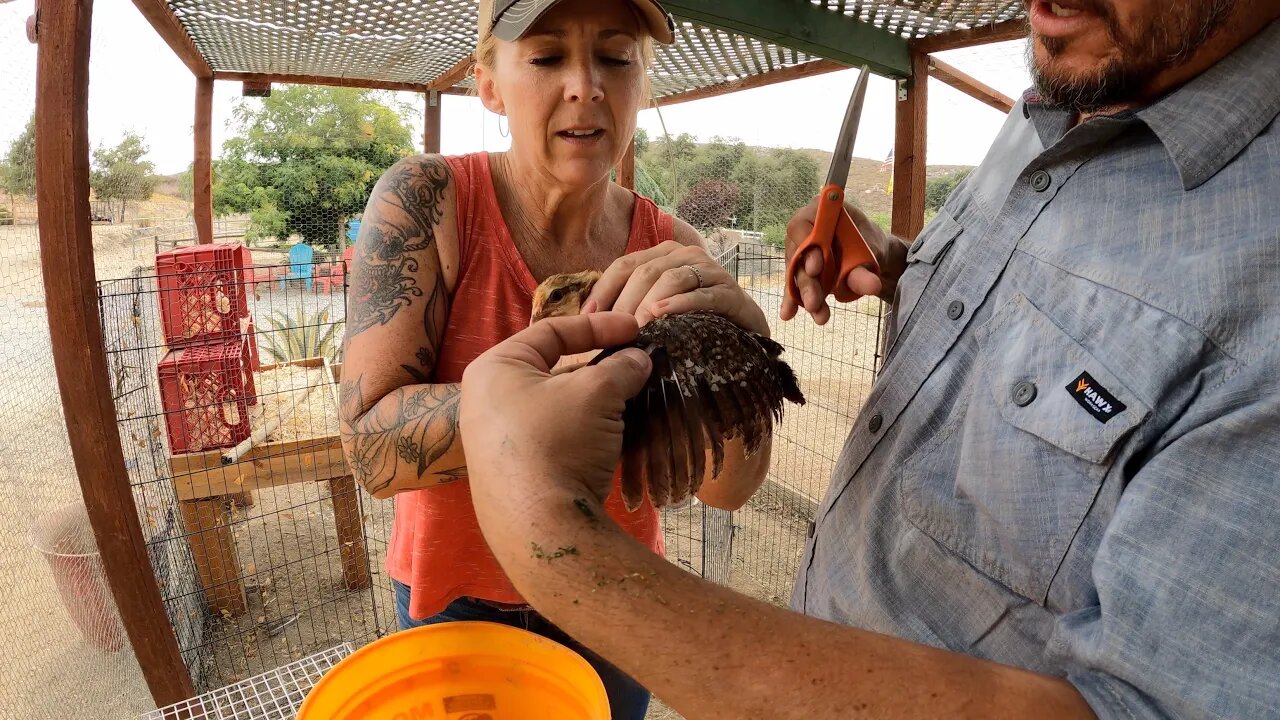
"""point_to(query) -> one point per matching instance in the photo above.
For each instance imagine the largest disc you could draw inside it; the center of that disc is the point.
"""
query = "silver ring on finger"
(697, 274)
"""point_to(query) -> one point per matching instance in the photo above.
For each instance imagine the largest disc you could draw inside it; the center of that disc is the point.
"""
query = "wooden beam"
(970, 86)
(454, 75)
(981, 35)
(202, 168)
(320, 80)
(910, 144)
(431, 132)
(79, 359)
(803, 26)
(202, 475)
(253, 88)
(795, 72)
(157, 13)
(627, 168)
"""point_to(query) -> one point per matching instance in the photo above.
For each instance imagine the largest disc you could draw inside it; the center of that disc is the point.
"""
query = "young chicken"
(712, 381)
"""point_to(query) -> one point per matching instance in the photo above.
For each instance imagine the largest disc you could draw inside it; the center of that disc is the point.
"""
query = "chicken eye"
(556, 295)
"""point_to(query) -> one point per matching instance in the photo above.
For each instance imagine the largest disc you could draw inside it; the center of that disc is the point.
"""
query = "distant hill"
(170, 185)
(868, 186)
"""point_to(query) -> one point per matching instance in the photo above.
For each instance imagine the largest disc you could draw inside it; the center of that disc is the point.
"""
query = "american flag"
(888, 162)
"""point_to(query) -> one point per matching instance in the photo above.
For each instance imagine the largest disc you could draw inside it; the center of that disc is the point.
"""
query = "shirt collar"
(1204, 124)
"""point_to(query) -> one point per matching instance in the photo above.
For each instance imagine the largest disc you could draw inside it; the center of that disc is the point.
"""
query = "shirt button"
(1040, 181)
(875, 423)
(1024, 393)
(955, 310)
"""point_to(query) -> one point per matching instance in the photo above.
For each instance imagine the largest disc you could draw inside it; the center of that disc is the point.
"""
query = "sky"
(138, 84)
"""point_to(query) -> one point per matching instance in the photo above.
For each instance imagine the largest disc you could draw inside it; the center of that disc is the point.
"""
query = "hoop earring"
(503, 131)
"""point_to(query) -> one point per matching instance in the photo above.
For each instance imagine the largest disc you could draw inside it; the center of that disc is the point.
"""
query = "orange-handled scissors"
(834, 233)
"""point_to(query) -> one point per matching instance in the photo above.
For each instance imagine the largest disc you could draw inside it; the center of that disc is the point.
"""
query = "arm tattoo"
(402, 438)
(435, 316)
(409, 429)
(398, 230)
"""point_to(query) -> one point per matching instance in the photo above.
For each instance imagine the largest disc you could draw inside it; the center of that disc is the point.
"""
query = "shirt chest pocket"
(923, 259)
(1008, 479)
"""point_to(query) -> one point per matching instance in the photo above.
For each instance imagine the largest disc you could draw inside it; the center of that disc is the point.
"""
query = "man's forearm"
(407, 440)
(712, 653)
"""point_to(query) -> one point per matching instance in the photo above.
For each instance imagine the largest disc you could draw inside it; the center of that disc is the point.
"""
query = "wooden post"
(202, 172)
(627, 168)
(213, 548)
(909, 150)
(346, 516)
(431, 134)
(79, 358)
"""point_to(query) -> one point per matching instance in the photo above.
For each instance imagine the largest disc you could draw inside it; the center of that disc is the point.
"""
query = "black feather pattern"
(635, 461)
(659, 475)
(712, 381)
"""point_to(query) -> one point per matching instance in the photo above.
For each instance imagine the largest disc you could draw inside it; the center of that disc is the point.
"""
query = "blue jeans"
(628, 700)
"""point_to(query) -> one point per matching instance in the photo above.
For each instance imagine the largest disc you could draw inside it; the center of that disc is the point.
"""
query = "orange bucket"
(476, 670)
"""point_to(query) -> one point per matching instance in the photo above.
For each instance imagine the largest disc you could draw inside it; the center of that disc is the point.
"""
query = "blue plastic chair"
(301, 265)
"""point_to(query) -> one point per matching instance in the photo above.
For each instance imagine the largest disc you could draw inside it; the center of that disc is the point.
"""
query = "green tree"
(770, 184)
(121, 174)
(709, 204)
(18, 168)
(187, 183)
(773, 186)
(648, 187)
(306, 159)
(714, 160)
(937, 190)
(641, 141)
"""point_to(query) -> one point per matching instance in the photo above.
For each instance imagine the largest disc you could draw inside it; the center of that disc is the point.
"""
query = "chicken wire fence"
(223, 363)
(64, 648)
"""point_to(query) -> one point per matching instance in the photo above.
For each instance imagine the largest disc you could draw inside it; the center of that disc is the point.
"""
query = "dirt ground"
(49, 671)
(287, 543)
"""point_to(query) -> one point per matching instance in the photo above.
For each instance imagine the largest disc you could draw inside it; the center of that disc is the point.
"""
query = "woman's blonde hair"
(486, 54)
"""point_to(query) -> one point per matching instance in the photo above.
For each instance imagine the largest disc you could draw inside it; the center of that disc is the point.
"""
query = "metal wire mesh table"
(273, 695)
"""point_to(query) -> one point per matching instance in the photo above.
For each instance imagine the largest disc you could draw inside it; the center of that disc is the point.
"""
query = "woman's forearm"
(740, 477)
(407, 440)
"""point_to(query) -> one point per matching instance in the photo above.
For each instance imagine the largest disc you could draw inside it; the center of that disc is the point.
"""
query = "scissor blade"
(842, 158)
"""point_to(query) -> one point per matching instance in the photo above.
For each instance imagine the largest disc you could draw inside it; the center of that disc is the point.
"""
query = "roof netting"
(920, 18)
(418, 41)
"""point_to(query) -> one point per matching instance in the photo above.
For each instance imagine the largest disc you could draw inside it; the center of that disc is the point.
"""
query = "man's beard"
(1160, 43)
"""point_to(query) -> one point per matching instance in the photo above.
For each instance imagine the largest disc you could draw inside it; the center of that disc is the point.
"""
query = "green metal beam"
(803, 26)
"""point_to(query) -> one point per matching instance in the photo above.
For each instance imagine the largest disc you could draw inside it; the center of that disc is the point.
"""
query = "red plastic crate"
(202, 294)
(206, 392)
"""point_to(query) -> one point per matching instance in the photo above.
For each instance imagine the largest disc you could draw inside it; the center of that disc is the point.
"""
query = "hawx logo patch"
(1094, 398)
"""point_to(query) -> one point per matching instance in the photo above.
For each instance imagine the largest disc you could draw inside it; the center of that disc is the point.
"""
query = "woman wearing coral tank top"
(450, 251)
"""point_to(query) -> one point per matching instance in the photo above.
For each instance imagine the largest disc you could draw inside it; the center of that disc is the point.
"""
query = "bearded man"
(1060, 499)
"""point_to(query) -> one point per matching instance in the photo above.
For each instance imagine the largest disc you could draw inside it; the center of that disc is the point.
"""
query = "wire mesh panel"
(274, 695)
(919, 18)
(263, 546)
(836, 365)
(740, 198)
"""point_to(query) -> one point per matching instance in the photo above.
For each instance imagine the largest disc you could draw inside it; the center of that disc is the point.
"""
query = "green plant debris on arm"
(540, 554)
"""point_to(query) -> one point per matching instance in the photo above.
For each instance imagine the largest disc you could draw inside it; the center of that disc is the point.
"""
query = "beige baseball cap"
(510, 19)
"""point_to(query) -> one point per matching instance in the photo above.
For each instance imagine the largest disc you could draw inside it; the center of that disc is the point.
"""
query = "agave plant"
(302, 336)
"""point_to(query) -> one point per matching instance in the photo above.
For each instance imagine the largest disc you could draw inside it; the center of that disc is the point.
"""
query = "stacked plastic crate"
(206, 377)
